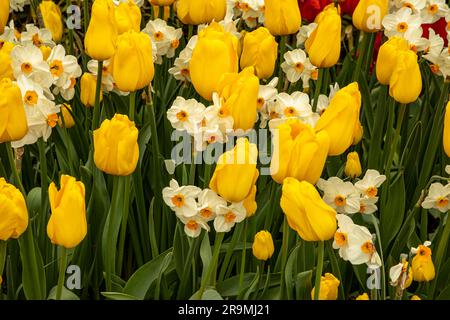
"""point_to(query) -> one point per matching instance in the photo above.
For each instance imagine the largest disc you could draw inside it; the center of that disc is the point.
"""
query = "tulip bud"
(415, 297)
(387, 58)
(422, 265)
(329, 285)
(369, 14)
(162, 2)
(260, 51)
(116, 150)
(298, 152)
(13, 120)
(13, 211)
(65, 118)
(263, 246)
(132, 65)
(201, 11)
(363, 296)
(88, 85)
(4, 14)
(324, 43)
(101, 35)
(128, 17)
(340, 119)
(405, 84)
(446, 135)
(236, 164)
(67, 225)
(239, 92)
(353, 165)
(51, 14)
(282, 17)
(306, 212)
(219, 49)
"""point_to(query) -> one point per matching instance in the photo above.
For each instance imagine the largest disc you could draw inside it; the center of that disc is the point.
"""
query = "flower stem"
(284, 251)
(244, 254)
(440, 253)
(62, 272)
(15, 172)
(213, 264)
(282, 50)
(132, 110)
(96, 117)
(383, 274)
(318, 270)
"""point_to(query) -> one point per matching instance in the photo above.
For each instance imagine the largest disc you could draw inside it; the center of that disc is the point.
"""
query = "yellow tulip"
(260, 50)
(446, 135)
(88, 85)
(387, 58)
(6, 70)
(422, 265)
(306, 212)
(415, 297)
(128, 17)
(324, 43)
(65, 118)
(51, 14)
(13, 120)
(239, 92)
(282, 17)
(353, 165)
(166, 12)
(162, 2)
(67, 225)
(341, 118)
(116, 150)
(329, 285)
(46, 51)
(405, 84)
(101, 35)
(201, 11)
(250, 204)
(132, 65)
(363, 296)
(214, 55)
(238, 164)
(4, 14)
(298, 152)
(13, 211)
(358, 133)
(368, 14)
(263, 247)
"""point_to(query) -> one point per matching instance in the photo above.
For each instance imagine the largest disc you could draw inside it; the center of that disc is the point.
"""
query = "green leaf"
(118, 296)
(205, 254)
(303, 285)
(445, 294)
(209, 294)
(65, 294)
(289, 270)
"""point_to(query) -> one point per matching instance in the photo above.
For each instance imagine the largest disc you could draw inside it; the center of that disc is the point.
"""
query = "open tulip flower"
(225, 149)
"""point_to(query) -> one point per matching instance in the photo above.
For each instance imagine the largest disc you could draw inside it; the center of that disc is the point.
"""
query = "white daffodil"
(402, 23)
(295, 105)
(324, 101)
(107, 78)
(228, 216)
(434, 10)
(32, 93)
(64, 68)
(397, 273)
(208, 203)
(181, 70)
(182, 200)
(297, 66)
(368, 186)
(162, 35)
(207, 135)
(9, 34)
(340, 195)
(415, 250)
(367, 205)
(415, 5)
(304, 33)
(186, 114)
(193, 225)
(434, 44)
(440, 63)
(216, 115)
(267, 93)
(37, 37)
(438, 197)
(17, 5)
(173, 37)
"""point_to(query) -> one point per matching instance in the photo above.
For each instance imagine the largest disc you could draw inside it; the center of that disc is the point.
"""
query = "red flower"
(311, 8)
(439, 27)
(348, 6)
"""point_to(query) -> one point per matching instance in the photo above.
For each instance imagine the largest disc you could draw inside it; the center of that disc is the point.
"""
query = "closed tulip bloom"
(214, 55)
(306, 212)
(51, 14)
(341, 118)
(128, 17)
(88, 85)
(101, 35)
(13, 211)
(116, 150)
(4, 14)
(446, 135)
(263, 246)
(162, 2)
(353, 165)
(363, 296)
(13, 120)
(238, 164)
(324, 43)
(369, 14)
(65, 118)
(406, 81)
(387, 58)
(282, 17)
(132, 65)
(67, 225)
(6, 70)
(201, 11)
(329, 285)
(422, 265)
(239, 92)
(260, 50)
(299, 152)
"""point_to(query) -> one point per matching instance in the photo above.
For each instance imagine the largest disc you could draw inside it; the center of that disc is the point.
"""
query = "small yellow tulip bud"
(353, 165)
(329, 285)
(363, 296)
(387, 58)
(405, 84)
(282, 17)
(13, 120)
(446, 135)
(51, 14)
(13, 211)
(65, 118)
(422, 265)
(201, 11)
(4, 14)
(415, 297)
(263, 246)
(368, 14)
(88, 85)
(128, 17)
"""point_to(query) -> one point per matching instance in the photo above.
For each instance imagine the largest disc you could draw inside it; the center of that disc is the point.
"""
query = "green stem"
(123, 227)
(44, 181)
(383, 272)
(62, 272)
(96, 117)
(318, 270)
(318, 88)
(244, 255)
(229, 254)
(284, 252)
(213, 264)
(282, 50)
(362, 53)
(14, 169)
(3, 245)
(132, 110)
(440, 252)
(155, 145)
(392, 151)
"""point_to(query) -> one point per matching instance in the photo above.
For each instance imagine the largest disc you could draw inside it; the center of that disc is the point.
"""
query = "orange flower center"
(56, 68)
(185, 72)
(299, 67)
(244, 6)
(442, 202)
(192, 225)
(260, 102)
(230, 217)
(273, 115)
(289, 112)
(368, 247)
(362, 208)
(340, 238)
(223, 112)
(402, 27)
(52, 120)
(182, 116)
(178, 200)
(340, 201)
(36, 41)
(372, 192)
(73, 82)
(26, 67)
(2, 43)
(433, 9)
(211, 139)
(408, 5)
(31, 97)
(424, 251)
(206, 213)
(175, 43)
(159, 36)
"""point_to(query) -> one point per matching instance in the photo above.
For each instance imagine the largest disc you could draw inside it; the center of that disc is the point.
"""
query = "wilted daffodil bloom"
(239, 92)
(51, 14)
(67, 225)
(260, 51)
(214, 55)
(116, 150)
(329, 285)
(405, 84)
(306, 212)
(341, 118)
(282, 17)
(65, 118)
(88, 84)
(128, 17)
(324, 43)
(13, 211)
(238, 164)
(263, 247)
(369, 14)
(353, 165)
(101, 35)
(132, 65)
(298, 152)
(387, 58)
(422, 265)
(13, 120)
(398, 274)
(446, 135)
(4, 14)
(201, 11)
